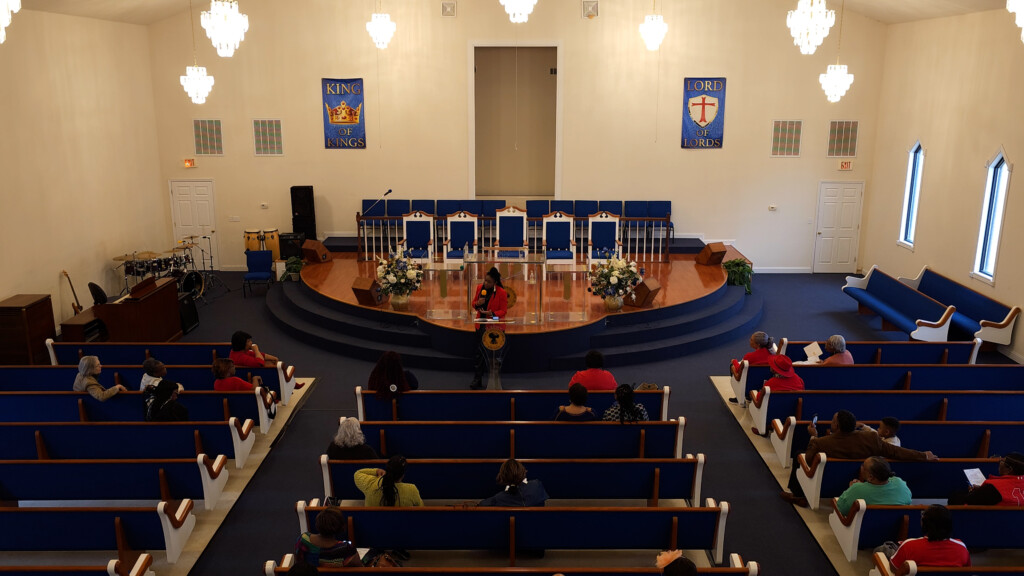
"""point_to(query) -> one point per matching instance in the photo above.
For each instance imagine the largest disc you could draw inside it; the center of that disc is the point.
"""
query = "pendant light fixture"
(195, 81)
(836, 80)
(518, 10)
(809, 24)
(7, 7)
(381, 28)
(225, 26)
(1014, 6)
(653, 29)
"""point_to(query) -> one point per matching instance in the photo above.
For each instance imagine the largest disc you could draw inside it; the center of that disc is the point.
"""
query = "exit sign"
(846, 164)
(190, 162)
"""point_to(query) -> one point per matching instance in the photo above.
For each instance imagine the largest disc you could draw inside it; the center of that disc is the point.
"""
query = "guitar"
(76, 306)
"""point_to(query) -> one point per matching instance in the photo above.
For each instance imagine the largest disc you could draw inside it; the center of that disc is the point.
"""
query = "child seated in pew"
(625, 409)
(226, 381)
(85, 381)
(518, 490)
(935, 548)
(673, 563)
(155, 372)
(245, 353)
(876, 485)
(577, 410)
(328, 547)
(162, 403)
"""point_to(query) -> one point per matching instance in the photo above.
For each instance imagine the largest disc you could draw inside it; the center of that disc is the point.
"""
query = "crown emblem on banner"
(343, 113)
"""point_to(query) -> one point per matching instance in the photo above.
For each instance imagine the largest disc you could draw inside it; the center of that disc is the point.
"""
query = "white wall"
(962, 100)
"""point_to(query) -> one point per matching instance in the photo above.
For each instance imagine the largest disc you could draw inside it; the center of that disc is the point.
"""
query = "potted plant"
(292, 267)
(740, 272)
(614, 280)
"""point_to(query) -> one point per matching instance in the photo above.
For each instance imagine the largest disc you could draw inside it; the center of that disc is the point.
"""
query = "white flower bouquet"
(398, 276)
(616, 277)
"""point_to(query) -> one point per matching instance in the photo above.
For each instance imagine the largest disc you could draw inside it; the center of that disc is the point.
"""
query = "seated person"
(85, 381)
(936, 548)
(673, 563)
(328, 547)
(1003, 489)
(518, 490)
(350, 443)
(162, 403)
(876, 485)
(624, 409)
(783, 377)
(888, 428)
(226, 381)
(835, 346)
(762, 346)
(245, 353)
(155, 372)
(388, 378)
(577, 410)
(385, 487)
(595, 377)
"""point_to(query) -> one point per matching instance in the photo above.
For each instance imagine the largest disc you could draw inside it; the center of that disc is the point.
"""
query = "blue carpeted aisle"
(263, 525)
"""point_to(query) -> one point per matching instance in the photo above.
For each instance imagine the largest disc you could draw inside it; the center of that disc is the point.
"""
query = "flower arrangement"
(615, 277)
(397, 276)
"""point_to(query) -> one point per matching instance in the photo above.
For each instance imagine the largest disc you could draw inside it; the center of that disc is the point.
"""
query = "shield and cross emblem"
(703, 109)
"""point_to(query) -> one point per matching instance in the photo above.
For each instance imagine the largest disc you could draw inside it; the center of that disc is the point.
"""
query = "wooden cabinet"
(26, 321)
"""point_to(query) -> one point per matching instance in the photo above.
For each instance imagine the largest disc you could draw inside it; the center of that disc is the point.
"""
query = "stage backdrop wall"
(621, 122)
(961, 100)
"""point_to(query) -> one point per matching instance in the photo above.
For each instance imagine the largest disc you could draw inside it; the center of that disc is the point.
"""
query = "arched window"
(992, 217)
(912, 195)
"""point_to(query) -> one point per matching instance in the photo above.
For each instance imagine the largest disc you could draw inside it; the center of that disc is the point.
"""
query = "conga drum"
(252, 240)
(272, 242)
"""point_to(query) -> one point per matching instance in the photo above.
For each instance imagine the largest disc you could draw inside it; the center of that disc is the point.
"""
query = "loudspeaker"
(315, 252)
(645, 293)
(188, 312)
(712, 254)
(367, 291)
(303, 211)
(291, 245)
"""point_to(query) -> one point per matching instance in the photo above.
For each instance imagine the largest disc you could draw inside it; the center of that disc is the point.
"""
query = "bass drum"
(191, 283)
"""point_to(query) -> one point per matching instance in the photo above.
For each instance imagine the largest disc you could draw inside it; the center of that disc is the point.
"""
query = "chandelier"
(809, 24)
(653, 29)
(225, 26)
(836, 80)
(1014, 6)
(7, 7)
(518, 10)
(195, 81)
(381, 29)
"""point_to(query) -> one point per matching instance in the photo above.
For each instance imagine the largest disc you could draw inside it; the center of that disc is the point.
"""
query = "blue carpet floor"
(263, 526)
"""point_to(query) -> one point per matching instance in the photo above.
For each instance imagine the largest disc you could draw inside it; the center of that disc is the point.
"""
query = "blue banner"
(703, 112)
(344, 125)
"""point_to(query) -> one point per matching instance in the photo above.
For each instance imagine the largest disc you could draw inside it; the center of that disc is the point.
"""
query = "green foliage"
(740, 272)
(293, 265)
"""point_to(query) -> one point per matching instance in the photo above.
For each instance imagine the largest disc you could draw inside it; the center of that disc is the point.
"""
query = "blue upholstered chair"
(535, 211)
(603, 231)
(613, 207)
(511, 240)
(418, 241)
(488, 226)
(260, 265)
(584, 208)
(559, 246)
(393, 230)
(461, 236)
(443, 209)
(660, 209)
(562, 206)
(425, 206)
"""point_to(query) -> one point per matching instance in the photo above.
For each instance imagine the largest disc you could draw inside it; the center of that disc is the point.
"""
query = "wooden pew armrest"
(1014, 312)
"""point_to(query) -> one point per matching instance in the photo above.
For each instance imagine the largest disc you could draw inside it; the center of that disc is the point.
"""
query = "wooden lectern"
(712, 254)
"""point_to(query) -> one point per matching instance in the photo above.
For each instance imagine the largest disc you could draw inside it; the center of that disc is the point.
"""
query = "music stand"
(209, 278)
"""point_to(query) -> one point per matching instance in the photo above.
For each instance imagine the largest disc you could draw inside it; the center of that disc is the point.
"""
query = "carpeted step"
(718, 311)
(648, 315)
(341, 243)
(685, 245)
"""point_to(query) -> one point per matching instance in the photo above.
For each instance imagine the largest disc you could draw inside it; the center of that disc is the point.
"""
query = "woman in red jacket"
(490, 301)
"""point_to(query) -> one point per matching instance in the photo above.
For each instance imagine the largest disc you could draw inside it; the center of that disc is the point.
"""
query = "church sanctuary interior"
(336, 178)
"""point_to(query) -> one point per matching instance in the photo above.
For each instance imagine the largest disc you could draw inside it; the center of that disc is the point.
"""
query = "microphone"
(377, 202)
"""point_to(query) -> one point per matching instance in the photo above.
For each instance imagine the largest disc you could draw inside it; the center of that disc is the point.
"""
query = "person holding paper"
(1003, 489)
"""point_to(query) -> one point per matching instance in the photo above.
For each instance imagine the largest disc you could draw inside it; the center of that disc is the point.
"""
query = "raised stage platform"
(556, 323)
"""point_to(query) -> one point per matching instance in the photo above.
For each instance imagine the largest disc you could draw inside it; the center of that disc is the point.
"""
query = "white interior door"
(193, 213)
(838, 229)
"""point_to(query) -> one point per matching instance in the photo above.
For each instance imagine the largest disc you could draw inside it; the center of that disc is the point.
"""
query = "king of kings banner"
(344, 125)
(704, 112)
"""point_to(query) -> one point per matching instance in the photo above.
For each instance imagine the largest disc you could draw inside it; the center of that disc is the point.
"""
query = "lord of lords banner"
(344, 122)
(704, 112)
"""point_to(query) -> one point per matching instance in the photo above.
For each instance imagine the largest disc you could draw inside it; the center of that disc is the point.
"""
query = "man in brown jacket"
(847, 440)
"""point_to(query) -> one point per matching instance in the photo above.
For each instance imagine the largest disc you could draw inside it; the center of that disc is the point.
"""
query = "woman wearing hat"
(783, 377)
(1003, 489)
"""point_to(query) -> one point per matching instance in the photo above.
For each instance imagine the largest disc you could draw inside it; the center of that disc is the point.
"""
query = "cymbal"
(193, 237)
(184, 246)
(147, 255)
(123, 257)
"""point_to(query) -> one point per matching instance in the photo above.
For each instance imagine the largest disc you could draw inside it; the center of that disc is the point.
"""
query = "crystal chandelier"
(1014, 6)
(653, 30)
(836, 80)
(7, 7)
(809, 24)
(195, 81)
(518, 10)
(225, 26)
(381, 29)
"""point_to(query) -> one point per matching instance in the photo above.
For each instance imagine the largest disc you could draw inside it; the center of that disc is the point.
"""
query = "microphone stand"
(209, 278)
(372, 206)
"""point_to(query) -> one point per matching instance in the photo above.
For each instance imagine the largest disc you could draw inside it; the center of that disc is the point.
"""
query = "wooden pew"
(199, 478)
(977, 526)
(129, 407)
(112, 568)
(736, 566)
(548, 528)
(493, 404)
(950, 439)
(124, 440)
(888, 352)
(166, 526)
(69, 353)
(526, 439)
(884, 568)
(607, 479)
(826, 477)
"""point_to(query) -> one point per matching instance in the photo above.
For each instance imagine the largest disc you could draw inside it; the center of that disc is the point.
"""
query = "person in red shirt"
(936, 548)
(226, 381)
(1003, 489)
(490, 301)
(245, 353)
(762, 346)
(783, 376)
(595, 377)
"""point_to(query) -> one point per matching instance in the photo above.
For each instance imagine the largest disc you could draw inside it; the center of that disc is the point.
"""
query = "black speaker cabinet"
(189, 313)
(291, 245)
(303, 211)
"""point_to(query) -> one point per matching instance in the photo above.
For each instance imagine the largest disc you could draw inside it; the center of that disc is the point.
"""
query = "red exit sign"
(846, 164)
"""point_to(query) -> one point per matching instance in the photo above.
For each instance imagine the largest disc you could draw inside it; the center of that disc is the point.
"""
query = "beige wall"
(79, 163)
(961, 99)
(515, 121)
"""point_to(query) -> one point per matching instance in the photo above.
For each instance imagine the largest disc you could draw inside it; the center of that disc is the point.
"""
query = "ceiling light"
(836, 80)
(518, 10)
(225, 26)
(653, 29)
(195, 81)
(809, 24)
(1014, 6)
(7, 7)
(381, 29)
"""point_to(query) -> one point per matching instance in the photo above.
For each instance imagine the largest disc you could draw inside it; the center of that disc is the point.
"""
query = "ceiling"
(150, 11)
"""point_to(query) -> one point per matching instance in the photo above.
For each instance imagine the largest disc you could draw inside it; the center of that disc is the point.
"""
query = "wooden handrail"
(942, 320)
(1014, 312)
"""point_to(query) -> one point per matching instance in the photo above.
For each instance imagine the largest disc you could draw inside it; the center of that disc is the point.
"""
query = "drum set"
(178, 263)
